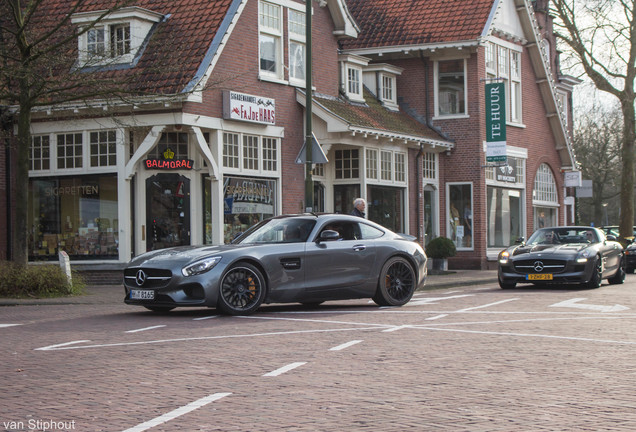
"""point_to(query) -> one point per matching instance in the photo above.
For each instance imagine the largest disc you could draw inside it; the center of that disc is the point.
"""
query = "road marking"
(396, 328)
(434, 300)
(284, 369)
(206, 317)
(436, 317)
(177, 412)
(203, 338)
(316, 320)
(574, 303)
(487, 305)
(145, 328)
(60, 346)
(345, 345)
(8, 325)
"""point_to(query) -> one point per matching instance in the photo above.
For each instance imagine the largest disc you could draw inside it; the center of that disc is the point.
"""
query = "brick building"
(212, 145)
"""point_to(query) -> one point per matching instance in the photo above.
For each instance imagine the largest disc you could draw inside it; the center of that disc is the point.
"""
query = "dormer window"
(381, 80)
(116, 38)
(351, 75)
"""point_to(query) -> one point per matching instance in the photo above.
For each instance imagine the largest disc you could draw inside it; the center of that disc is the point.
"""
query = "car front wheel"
(396, 284)
(506, 285)
(597, 274)
(619, 277)
(242, 290)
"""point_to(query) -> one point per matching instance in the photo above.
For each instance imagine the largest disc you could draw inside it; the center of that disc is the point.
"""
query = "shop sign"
(506, 173)
(247, 195)
(496, 122)
(573, 179)
(169, 162)
(249, 108)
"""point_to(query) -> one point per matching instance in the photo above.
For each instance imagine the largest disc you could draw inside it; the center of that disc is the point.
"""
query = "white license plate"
(142, 294)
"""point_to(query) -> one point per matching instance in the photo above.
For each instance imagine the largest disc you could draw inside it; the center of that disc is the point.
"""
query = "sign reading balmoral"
(250, 108)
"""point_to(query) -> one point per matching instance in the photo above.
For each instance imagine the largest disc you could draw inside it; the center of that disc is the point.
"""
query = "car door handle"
(359, 248)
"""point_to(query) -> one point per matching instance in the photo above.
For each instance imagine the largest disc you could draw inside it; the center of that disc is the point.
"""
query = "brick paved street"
(458, 358)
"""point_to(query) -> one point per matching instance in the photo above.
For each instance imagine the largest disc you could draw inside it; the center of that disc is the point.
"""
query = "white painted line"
(145, 328)
(434, 300)
(205, 318)
(574, 303)
(488, 305)
(396, 328)
(322, 321)
(52, 347)
(8, 325)
(345, 345)
(177, 412)
(284, 369)
(436, 317)
(193, 339)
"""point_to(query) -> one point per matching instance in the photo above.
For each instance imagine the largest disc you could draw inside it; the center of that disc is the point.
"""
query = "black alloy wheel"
(396, 284)
(242, 290)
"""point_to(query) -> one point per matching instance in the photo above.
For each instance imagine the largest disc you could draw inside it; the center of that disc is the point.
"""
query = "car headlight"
(584, 255)
(504, 256)
(201, 266)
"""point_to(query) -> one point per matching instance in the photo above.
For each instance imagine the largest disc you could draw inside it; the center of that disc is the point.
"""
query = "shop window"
(386, 207)
(429, 166)
(40, 155)
(230, 150)
(343, 196)
(451, 87)
(347, 164)
(504, 216)
(460, 215)
(430, 214)
(250, 152)
(372, 164)
(103, 148)
(69, 151)
(247, 201)
(78, 215)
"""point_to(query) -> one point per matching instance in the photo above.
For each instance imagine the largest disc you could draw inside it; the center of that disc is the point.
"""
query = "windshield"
(563, 236)
(288, 230)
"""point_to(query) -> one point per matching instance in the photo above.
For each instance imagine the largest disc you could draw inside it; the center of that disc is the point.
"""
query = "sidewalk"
(112, 294)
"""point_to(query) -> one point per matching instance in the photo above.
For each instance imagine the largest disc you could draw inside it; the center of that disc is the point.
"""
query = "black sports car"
(560, 255)
(297, 258)
(630, 257)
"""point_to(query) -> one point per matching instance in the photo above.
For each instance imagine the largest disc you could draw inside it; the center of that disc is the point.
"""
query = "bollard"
(65, 264)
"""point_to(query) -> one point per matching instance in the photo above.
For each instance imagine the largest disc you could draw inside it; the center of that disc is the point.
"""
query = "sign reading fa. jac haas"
(249, 108)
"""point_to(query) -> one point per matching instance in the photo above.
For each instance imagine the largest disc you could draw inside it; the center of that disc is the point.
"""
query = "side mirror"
(329, 235)
(611, 237)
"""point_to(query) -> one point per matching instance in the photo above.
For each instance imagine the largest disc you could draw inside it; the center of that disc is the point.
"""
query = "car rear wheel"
(396, 284)
(242, 290)
(597, 273)
(619, 277)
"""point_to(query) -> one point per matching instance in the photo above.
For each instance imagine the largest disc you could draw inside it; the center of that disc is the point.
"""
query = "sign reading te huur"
(249, 108)
(496, 122)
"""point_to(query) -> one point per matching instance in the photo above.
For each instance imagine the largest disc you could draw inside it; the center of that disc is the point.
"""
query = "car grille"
(532, 266)
(154, 278)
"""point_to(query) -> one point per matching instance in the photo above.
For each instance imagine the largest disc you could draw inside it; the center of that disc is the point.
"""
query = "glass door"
(167, 211)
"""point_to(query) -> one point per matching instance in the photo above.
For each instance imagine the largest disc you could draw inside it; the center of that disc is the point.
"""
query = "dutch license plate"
(142, 294)
(539, 277)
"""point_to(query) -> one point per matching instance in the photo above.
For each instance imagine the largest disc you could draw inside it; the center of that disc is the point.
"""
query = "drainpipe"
(418, 169)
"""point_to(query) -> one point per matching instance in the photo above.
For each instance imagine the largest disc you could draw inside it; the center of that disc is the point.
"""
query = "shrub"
(37, 281)
(441, 247)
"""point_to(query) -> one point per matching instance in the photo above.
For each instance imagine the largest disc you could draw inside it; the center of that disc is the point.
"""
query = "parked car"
(294, 258)
(630, 257)
(613, 230)
(563, 255)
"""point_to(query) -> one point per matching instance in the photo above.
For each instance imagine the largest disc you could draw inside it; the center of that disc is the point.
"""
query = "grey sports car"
(574, 254)
(296, 258)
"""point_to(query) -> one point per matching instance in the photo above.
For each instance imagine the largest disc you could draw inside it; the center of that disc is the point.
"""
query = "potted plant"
(439, 249)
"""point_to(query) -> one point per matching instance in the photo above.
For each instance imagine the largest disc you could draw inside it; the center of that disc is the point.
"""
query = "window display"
(246, 201)
(460, 215)
(77, 215)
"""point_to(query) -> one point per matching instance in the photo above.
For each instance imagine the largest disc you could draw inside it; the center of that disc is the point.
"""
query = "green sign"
(496, 122)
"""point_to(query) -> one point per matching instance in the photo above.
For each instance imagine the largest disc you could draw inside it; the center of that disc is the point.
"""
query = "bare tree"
(597, 143)
(601, 37)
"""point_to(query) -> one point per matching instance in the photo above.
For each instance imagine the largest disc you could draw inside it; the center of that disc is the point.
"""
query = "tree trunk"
(19, 240)
(627, 181)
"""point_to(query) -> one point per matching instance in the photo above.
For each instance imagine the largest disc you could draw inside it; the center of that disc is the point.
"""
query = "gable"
(507, 21)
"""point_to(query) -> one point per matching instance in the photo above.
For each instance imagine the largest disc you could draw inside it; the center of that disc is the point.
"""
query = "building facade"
(214, 144)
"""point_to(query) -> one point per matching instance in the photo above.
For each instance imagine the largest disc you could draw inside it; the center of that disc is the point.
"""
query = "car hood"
(564, 249)
(180, 255)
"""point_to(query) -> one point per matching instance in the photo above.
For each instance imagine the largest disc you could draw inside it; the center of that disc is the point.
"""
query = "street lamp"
(309, 182)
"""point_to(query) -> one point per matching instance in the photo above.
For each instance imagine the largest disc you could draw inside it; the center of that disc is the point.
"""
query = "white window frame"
(429, 165)
(545, 192)
(356, 65)
(439, 115)
(506, 56)
(109, 146)
(40, 147)
(472, 209)
(297, 40)
(388, 90)
(275, 33)
(263, 158)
